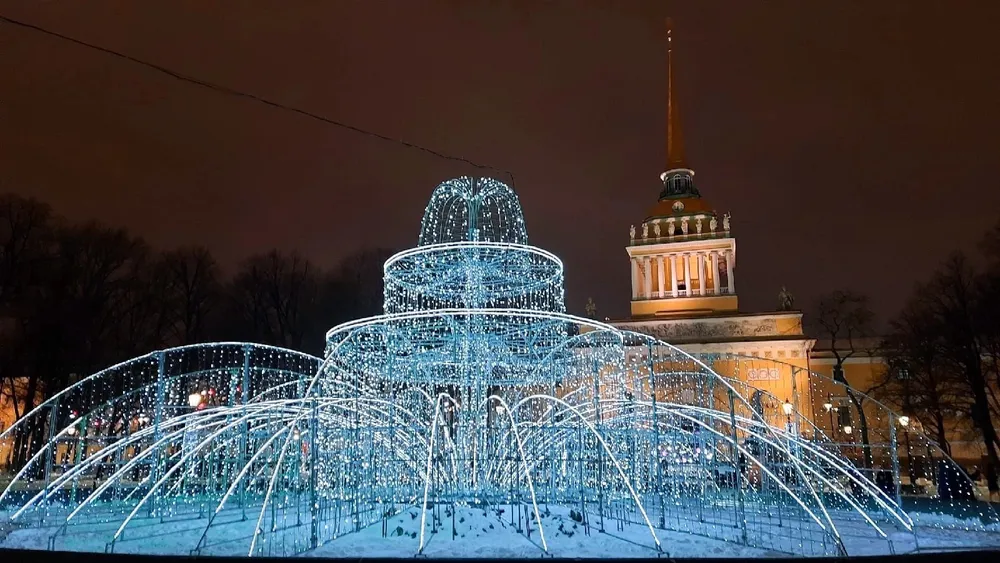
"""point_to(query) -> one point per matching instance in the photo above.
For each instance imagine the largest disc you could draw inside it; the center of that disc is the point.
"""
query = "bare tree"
(277, 294)
(918, 379)
(140, 316)
(25, 245)
(87, 296)
(73, 315)
(192, 292)
(956, 301)
(846, 321)
(25, 233)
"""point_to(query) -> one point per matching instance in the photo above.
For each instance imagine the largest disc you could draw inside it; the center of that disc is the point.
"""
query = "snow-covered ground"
(489, 533)
(473, 532)
(477, 533)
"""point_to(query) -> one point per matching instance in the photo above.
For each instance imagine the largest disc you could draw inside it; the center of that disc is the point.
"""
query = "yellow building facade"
(683, 261)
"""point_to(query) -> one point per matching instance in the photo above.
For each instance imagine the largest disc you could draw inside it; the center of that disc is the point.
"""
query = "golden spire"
(675, 142)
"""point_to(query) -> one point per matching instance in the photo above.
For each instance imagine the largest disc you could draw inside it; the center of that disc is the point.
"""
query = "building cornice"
(766, 350)
(769, 316)
(681, 246)
(745, 330)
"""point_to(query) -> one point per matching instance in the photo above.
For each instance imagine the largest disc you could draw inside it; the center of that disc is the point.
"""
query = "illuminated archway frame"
(444, 401)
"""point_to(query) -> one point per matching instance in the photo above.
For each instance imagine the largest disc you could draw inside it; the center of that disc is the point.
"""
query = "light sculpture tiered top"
(473, 254)
(473, 209)
(473, 303)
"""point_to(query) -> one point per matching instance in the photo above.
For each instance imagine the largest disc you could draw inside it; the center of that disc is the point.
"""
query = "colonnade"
(670, 275)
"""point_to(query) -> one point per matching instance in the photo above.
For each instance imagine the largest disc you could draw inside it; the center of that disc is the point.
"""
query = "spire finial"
(675, 143)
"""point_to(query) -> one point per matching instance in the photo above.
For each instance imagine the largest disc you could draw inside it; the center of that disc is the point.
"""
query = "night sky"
(855, 143)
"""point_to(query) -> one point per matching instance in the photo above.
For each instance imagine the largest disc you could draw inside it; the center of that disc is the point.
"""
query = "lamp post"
(904, 421)
(196, 402)
(828, 405)
(894, 448)
(787, 408)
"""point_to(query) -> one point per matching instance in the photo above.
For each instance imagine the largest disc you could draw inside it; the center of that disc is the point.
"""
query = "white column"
(701, 273)
(729, 272)
(635, 279)
(647, 278)
(659, 275)
(687, 273)
(673, 275)
(715, 273)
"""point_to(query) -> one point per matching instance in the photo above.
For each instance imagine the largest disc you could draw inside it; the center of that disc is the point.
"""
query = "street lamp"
(828, 405)
(848, 430)
(787, 407)
(194, 399)
(904, 421)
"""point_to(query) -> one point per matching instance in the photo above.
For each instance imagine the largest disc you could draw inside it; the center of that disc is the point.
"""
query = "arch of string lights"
(474, 407)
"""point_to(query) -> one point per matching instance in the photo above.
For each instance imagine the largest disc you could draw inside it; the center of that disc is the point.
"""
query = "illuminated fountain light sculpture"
(474, 396)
